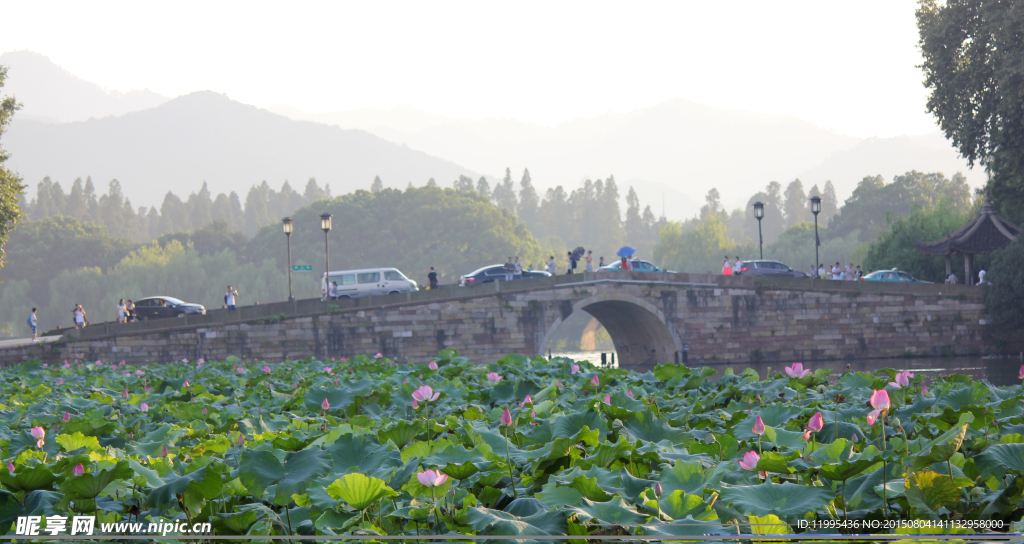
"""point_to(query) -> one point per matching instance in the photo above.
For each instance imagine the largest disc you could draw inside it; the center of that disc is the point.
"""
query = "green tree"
(1005, 295)
(483, 187)
(973, 61)
(504, 193)
(894, 247)
(529, 202)
(377, 185)
(699, 249)
(464, 183)
(796, 206)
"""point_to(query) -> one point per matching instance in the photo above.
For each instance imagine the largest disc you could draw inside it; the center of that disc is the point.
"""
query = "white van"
(368, 281)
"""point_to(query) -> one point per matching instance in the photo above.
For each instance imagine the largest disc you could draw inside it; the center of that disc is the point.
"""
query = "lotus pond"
(520, 447)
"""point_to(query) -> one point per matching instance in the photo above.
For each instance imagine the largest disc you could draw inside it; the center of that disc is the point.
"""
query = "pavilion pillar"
(949, 265)
(967, 268)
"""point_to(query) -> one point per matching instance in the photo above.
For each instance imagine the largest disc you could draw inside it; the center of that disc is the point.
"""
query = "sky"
(843, 65)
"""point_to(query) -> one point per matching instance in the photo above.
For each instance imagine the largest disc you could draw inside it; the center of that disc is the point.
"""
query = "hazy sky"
(849, 66)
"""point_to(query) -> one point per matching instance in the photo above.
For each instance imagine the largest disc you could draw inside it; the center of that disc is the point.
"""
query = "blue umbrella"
(626, 251)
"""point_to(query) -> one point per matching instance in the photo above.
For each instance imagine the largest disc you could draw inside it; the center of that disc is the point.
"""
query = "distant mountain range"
(671, 153)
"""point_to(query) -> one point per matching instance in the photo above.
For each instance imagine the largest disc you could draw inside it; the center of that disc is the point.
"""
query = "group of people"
(572, 262)
(728, 269)
(952, 279)
(837, 272)
(126, 311)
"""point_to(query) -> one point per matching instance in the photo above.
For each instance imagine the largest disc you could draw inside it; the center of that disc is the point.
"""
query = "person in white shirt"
(229, 298)
(32, 324)
(551, 265)
(517, 273)
(332, 291)
(79, 314)
(835, 272)
(121, 312)
(981, 277)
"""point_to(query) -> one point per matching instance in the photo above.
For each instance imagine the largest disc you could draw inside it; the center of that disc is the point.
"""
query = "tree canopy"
(973, 65)
(10, 184)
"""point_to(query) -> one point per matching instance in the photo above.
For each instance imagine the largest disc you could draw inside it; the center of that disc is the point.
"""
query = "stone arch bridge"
(651, 318)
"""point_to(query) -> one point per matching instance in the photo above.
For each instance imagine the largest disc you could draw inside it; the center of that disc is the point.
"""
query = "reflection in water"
(1002, 371)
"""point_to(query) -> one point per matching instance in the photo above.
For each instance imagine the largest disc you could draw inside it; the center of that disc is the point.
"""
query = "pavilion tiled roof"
(984, 234)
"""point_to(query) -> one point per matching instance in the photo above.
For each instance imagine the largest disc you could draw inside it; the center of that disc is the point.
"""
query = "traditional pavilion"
(984, 234)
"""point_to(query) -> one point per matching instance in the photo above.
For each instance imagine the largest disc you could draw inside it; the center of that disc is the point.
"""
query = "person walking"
(736, 265)
(432, 278)
(509, 269)
(821, 271)
(32, 324)
(626, 265)
(79, 314)
(332, 290)
(600, 263)
(858, 274)
(229, 298)
(590, 261)
(129, 311)
(726, 267)
(122, 315)
(517, 270)
(571, 264)
(552, 266)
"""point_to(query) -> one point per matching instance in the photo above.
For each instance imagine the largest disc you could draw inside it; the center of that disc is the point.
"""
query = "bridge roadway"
(651, 318)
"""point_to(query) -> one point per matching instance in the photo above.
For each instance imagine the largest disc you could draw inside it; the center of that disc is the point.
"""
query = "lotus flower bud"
(895, 422)
(658, 490)
(67, 417)
(78, 470)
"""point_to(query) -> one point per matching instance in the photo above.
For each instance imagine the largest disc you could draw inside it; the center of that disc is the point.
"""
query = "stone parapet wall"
(651, 318)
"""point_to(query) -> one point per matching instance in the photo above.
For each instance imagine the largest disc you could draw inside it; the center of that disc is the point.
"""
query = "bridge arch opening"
(638, 330)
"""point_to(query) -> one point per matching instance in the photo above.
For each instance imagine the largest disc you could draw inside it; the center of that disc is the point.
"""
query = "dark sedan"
(161, 307)
(762, 267)
(493, 272)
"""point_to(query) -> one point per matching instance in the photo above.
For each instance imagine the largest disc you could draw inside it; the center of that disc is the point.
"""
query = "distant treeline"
(114, 211)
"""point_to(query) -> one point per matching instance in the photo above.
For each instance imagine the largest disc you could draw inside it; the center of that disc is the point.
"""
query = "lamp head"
(287, 224)
(815, 205)
(758, 210)
(325, 221)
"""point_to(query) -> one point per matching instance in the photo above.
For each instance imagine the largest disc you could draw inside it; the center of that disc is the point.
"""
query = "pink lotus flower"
(816, 424)
(201, 361)
(432, 365)
(594, 380)
(325, 405)
(432, 478)
(1021, 373)
(879, 399)
(749, 461)
(10, 468)
(758, 426)
(855, 438)
(902, 379)
(60, 381)
(559, 385)
(266, 368)
(241, 440)
(343, 359)
(924, 390)
(125, 393)
(163, 451)
(629, 393)
(796, 370)
(574, 368)
(67, 417)
(45, 365)
(144, 407)
(185, 384)
(608, 400)
(99, 362)
(378, 356)
(78, 470)
(425, 393)
(184, 360)
(40, 443)
(493, 376)
(658, 490)
(873, 417)
(415, 406)
(533, 413)
(328, 369)
(204, 410)
(807, 435)
(527, 400)
(38, 432)
(147, 388)
(506, 418)
(335, 381)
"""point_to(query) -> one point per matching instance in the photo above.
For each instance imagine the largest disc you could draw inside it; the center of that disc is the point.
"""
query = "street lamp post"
(816, 209)
(759, 214)
(287, 222)
(325, 223)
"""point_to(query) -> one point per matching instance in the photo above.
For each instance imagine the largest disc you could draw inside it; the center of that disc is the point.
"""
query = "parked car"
(161, 307)
(638, 266)
(368, 281)
(493, 272)
(892, 275)
(762, 267)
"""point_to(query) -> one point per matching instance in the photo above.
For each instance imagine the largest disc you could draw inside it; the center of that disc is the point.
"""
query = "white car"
(368, 281)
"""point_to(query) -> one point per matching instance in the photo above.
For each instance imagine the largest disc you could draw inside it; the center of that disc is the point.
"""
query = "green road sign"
(302, 268)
